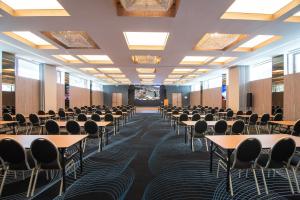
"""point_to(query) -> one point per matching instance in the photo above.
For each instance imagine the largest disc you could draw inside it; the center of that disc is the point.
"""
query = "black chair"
(108, 112)
(96, 117)
(41, 112)
(91, 128)
(279, 157)
(109, 118)
(52, 112)
(229, 115)
(249, 112)
(62, 114)
(82, 117)
(182, 117)
(195, 111)
(296, 128)
(8, 117)
(209, 117)
(35, 123)
(252, 122)
(52, 128)
(240, 112)
(77, 111)
(263, 123)
(98, 112)
(220, 127)
(73, 127)
(20, 118)
(200, 130)
(47, 157)
(243, 158)
(238, 127)
(196, 117)
(15, 158)
(276, 127)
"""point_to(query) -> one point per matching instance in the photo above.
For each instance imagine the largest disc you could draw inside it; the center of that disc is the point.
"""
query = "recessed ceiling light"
(294, 18)
(191, 76)
(257, 42)
(195, 60)
(117, 75)
(146, 70)
(182, 70)
(147, 75)
(67, 58)
(171, 79)
(147, 80)
(259, 9)
(146, 59)
(218, 41)
(146, 40)
(110, 70)
(89, 70)
(96, 59)
(33, 8)
(30, 39)
(122, 79)
(175, 76)
(222, 60)
(201, 71)
(100, 75)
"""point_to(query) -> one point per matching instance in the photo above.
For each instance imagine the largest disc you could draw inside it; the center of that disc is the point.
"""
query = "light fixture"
(191, 76)
(195, 60)
(259, 9)
(182, 70)
(171, 79)
(146, 59)
(146, 75)
(294, 18)
(67, 58)
(201, 71)
(117, 75)
(147, 80)
(110, 70)
(146, 40)
(218, 41)
(146, 70)
(175, 76)
(89, 70)
(222, 60)
(257, 42)
(96, 59)
(30, 39)
(19, 8)
(100, 75)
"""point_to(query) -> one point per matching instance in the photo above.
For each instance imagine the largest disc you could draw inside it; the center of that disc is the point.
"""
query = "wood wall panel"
(97, 98)
(233, 100)
(195, 98)
(262, 95)
(27, 95)
(8, 98)
(291, 97)
(212, 97)
(79, 97)
(60, 96)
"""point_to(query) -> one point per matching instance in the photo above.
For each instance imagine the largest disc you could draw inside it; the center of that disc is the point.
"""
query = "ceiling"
(105, 27)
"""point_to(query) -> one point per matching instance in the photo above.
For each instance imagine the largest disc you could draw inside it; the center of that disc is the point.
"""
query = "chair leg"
(230, 184)
(256, 183)
(61, 186)
(192, 141)
(3, 181)
(218, 169)
(206, 144)
(264, 180)
(30, 182)
(289, 179)
(34, 182)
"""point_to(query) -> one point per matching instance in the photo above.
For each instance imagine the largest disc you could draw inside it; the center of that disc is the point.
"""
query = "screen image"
(147, 92)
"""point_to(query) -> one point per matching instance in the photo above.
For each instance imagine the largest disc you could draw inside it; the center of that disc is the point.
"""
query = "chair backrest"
(70, 110)
(11, 152)
(73, 127)
(296, 128)
(249, 112)
(278, 117)
(175, 112)
(183, 117)
(77, 111)
(125, 110)
(51, 112)
(61, 114)
(41, 112)
(238, 127)
(44, 152)
(247, 151)
(7, 117)
(90, 127)
(240, 112)
(119, 112)
(253, 119)
(195, 111)
(108, 117)
(186, 112)
(283, 150)
(107, 112)
(34, 119)
(52, 127)
(264, 119)
(278, 110)
(220, 127)
(229, 113)
(201, 126)
(209, 117)
(221, 110)
(82, 117)
(196, 117)
(98, 112)
(213, 111)
(96, 117)
(20, 118)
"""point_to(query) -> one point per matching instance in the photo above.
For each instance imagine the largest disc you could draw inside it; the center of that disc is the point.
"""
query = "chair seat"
(263, 159)
(295, 160)
(54, 165)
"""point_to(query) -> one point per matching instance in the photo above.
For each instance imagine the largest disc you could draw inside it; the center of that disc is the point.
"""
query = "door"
(116, 99)
(177, 99)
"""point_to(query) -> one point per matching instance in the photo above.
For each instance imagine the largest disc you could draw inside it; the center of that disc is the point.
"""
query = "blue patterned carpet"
(148, 161)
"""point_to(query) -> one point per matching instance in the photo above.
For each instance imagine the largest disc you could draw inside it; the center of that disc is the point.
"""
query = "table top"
(100, 124)
(7, 122)
(61, 141)
(232, 141)
(39, 116)
(209, 123)
(248, 116)
(284, 122)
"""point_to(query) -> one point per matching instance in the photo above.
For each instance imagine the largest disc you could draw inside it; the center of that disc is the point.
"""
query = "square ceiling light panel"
(146, 40)
(67, 58)
(147, 8)
(146, 70)
(257, 42)
(30, 39)
(100, 76)
(72, 39)
(146, 59)
(96, 59)
(19, 8)
(222, 60)
(175, 76)
(146, 75)
(218, 41)
(259, 9)
(89, 70)
(111, 70)
(182, 70)
(294, 18)
(195, 60)
(201, 71)
(117, 75)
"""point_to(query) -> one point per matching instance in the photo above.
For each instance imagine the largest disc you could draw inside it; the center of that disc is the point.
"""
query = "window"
(297, 63)
(28, 69)
(96, 86)
(78, 82)
(261, 71)
(196, 86)
(212, 83)
(8, 87)
(60, 76)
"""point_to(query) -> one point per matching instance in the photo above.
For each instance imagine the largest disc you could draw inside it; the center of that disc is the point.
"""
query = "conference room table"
(46, 116)
(230, 142)
(287, 123)
(6, 123)
(62, 142)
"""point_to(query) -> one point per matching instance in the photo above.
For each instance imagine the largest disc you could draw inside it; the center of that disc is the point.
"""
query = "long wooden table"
(13, 123)
(62, 142)
(230, 142)
(287, 123)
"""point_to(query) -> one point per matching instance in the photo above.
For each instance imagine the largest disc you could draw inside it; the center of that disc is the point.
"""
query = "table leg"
(229, 152)
(185, 134)
(63, 163)
(14, 130)
(192, 135)
(80, 156)
(118, 125)
(211, 156)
